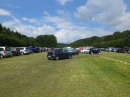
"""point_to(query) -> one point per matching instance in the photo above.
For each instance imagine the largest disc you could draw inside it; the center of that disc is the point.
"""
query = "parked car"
(110, 49)
(123, 50)
(85, 50)
(94, 51)
(5, 51)
(75, 51)
(15, 51)
(118, 50)
(44, 49)
(24, 50)
(128, 50)
(34, 49)
(39, 49)
(72, 51)
(113, 49)
(58, 54)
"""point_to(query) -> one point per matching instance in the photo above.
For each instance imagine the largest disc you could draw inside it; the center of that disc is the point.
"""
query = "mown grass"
(82, 76)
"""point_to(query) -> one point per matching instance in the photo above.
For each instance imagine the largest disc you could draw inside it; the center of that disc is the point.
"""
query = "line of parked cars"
(7, 51)
(118, 50)
(91, 50)
(123, 50)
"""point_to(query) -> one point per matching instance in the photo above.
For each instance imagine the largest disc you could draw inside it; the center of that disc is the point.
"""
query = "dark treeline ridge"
(11, 38)
(15, 39)
(118, 39)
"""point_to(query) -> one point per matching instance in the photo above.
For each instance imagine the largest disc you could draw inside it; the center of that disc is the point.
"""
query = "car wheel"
(12, 55)
(1, 56)
(57, 58)
(22, 53)
(70, 56)
(91, 53)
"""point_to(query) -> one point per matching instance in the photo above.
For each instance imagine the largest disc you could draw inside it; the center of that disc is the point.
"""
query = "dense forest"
(11, 38)
(14, 39)
(118, 39)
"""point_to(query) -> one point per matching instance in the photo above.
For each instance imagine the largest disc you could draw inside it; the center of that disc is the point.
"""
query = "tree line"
(11, 38)
(117, 39)
(15, 39)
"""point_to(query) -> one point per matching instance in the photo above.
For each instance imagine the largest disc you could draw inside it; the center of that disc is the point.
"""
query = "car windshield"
(8, 49)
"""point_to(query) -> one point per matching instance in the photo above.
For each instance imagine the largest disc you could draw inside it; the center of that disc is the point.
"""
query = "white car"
(85, 50)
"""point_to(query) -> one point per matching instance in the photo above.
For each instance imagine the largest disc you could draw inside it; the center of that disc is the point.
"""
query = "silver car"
(24, 50)
(5, 51)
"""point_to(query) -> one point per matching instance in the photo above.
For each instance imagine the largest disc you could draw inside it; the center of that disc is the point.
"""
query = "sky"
(67, 20)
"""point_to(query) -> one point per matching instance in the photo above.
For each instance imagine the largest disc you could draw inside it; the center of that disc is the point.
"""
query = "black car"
(58, 54)
(94, 51)
(15, 51)
(123, 50)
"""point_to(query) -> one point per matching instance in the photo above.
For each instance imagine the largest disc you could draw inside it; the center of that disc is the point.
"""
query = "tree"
(46, 41)
(1, 28)
(117, 35)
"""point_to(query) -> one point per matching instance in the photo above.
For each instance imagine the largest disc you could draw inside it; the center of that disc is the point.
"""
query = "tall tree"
(46, 41)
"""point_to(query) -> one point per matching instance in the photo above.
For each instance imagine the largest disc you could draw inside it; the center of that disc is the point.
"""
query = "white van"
(5, 51)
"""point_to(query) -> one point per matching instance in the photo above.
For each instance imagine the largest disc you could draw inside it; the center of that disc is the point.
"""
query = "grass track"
(82, 76)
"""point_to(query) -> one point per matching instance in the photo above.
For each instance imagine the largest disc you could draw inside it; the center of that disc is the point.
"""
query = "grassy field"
(82, 76)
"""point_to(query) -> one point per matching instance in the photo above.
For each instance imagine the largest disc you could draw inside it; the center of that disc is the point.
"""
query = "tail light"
(4, 51)
(15, 50)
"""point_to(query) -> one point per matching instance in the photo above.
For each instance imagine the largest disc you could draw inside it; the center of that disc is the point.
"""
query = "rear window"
(51, 51)
(60, 51)
(7, 49)
(21, 48)
(12, 49)
(1, 49)
(26, 48)
(56, 50)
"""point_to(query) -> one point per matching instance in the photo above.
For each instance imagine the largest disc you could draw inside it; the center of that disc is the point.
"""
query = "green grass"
(82, 76)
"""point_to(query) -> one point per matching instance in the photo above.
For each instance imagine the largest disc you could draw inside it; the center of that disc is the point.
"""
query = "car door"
(66, 53)
(8, 51)
(60, 53)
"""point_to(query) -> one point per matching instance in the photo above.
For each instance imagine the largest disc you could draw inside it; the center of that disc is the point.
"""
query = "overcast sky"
(68, 20)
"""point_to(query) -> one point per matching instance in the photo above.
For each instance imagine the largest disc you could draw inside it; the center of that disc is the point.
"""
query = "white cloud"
(63, 2)
(32, 20)
(108, 12)
(62, 27)
(46, 13)
(10, 5)
(68, 32)
(71, 35)
(35, 31)
(63, 13)
(125, 22)
(4, 12)
(29, 30)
